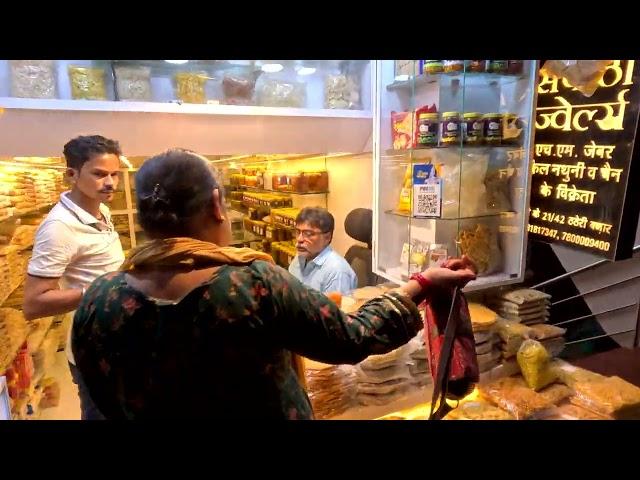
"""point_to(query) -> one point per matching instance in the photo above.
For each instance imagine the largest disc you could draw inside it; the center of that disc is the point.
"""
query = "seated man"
(317, 265)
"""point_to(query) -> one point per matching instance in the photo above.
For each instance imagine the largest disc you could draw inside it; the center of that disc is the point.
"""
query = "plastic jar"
(476, 66)
(427, 130)
(450, 128)
(453, 66)
(432, 67)
(472, 128)
(498, 66)
(493, 128)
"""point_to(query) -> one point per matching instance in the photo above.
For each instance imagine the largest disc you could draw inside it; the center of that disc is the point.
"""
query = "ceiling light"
(306, 70)
(177, 62)
(272, 67)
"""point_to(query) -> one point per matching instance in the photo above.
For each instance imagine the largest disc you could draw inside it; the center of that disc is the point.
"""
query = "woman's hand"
(460, 263)
(457, 275)
(454, 272)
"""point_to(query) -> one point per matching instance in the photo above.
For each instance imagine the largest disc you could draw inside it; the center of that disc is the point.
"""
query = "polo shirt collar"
(84, 216)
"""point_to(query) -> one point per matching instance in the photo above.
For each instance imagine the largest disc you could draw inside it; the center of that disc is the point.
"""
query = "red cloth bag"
(452, 351)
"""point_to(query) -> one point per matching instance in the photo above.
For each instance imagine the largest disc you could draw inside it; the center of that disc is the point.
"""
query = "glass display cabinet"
(452, 148)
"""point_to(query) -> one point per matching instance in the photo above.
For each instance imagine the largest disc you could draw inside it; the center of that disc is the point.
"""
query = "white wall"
(350, 186)
(43, 132)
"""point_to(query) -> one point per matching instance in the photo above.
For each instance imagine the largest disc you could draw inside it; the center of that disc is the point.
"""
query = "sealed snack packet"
(535, 364)
(584, 75)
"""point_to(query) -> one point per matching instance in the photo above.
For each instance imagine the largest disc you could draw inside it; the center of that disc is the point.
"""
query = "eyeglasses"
(308, 234)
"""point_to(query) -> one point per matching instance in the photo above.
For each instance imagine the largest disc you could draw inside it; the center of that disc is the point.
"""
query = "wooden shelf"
(4, 298)
(282, 225)
(26, 214)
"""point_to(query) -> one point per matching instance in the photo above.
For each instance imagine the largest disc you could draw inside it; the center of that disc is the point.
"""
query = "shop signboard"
(585, 188)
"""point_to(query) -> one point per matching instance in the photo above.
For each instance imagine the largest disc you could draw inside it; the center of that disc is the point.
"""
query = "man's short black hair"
(319, 218)
(81, 149)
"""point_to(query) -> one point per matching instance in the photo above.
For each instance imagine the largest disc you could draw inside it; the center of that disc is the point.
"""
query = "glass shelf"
(469, 78)
(480, 282)
(469, 148)
(160, 67)
(473, 178)
(284, 192)
(486, 215)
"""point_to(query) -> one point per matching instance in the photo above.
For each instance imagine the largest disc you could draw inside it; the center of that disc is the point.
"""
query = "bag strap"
(444, 365)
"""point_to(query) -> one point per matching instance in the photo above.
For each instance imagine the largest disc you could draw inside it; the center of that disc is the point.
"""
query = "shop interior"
(281, 135)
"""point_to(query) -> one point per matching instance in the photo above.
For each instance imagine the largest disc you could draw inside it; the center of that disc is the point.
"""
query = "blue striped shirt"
(328, 272)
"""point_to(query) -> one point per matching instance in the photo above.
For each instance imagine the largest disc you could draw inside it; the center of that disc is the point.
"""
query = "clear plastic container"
(33, 78)
(190, 87)
(133, 83)
(87, 83)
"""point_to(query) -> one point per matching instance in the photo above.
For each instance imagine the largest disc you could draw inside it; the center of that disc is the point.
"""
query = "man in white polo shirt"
(76, 242)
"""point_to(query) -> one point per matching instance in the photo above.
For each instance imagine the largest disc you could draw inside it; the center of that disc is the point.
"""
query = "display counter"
(398, 385)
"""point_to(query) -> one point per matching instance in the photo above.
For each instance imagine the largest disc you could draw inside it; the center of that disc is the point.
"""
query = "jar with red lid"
(475, 66)
(498, 66)
(453, 66)
(299, 182)
(515, 67)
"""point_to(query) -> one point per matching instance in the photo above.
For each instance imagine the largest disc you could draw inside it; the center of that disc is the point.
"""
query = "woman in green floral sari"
(192, 328)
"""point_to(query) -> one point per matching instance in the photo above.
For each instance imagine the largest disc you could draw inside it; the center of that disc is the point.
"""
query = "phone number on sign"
(570, 237)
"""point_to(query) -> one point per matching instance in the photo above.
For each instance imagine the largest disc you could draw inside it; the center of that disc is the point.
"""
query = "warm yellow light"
(422, 411)
(227, 159)
(125, 161)
(20, 163)
(267, 158)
